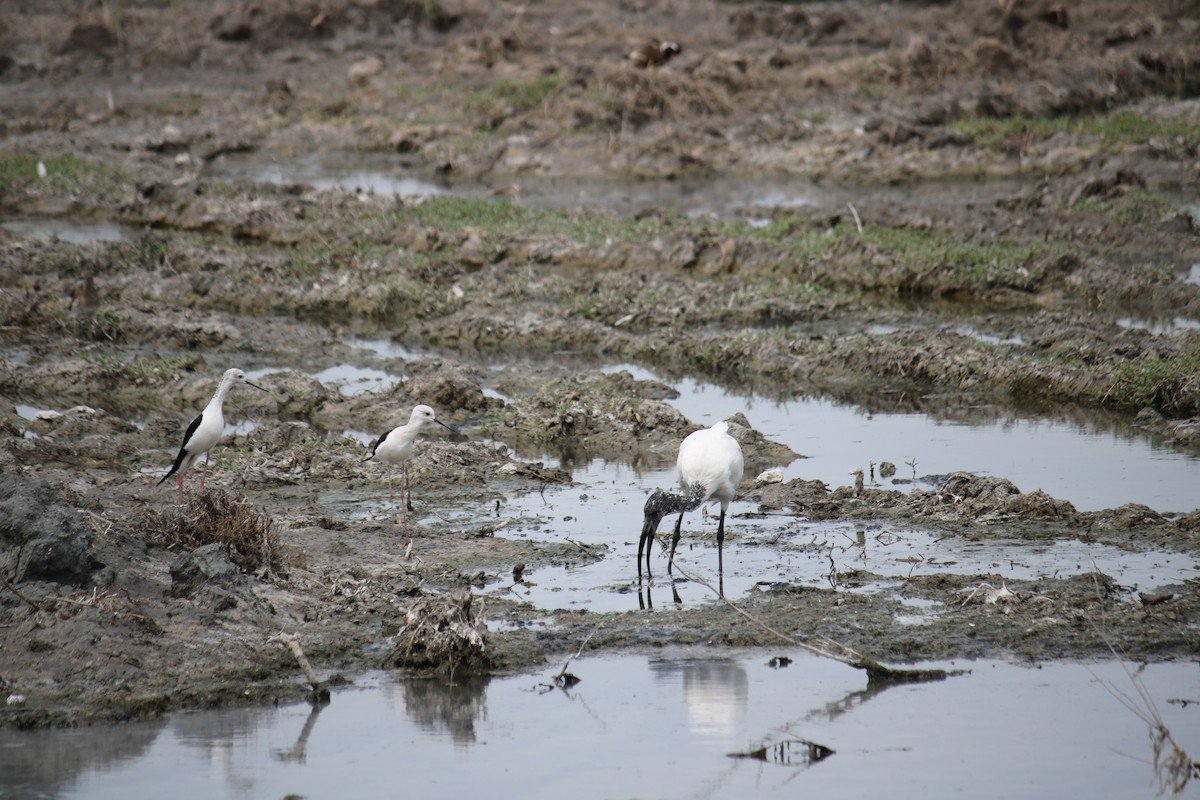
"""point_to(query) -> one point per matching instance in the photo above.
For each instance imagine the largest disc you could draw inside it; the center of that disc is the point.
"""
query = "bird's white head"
(424, 416)
(234, 375)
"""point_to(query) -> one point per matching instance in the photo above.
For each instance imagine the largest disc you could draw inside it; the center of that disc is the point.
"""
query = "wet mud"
(962, 248)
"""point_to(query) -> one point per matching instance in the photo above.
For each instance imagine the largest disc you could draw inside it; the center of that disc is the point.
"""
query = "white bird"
(710, 467)
(396, 447)
(206, 429)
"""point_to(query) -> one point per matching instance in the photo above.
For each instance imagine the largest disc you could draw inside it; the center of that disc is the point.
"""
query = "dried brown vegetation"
(215, 516)
(443, 633)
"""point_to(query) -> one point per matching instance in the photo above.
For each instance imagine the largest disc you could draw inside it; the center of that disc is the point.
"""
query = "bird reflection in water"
(646, 597)
(715, 691)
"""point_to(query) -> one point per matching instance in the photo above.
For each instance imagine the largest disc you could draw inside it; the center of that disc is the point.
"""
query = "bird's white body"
(710, 466)
(397, 447)
(711, 458)
(206, 430)
(212, 422)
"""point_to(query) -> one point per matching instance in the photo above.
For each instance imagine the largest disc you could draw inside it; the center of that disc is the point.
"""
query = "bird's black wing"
(375, 447)
(187, 437)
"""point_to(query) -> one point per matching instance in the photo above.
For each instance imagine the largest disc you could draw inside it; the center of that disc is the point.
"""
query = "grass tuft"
(219, 517)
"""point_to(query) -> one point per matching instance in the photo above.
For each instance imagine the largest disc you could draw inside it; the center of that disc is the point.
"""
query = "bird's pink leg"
(392, 498)
(404, 502)
(183, 468)
(205, 469)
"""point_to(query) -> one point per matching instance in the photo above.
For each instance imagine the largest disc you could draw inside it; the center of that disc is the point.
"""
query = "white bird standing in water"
(710, 467)
(396, 447)
(206, 429)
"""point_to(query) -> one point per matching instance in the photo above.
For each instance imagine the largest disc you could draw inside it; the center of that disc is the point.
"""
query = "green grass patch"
(19, 173)
(1170, 384)
(967, 261)
(904, 254)
(497, 218)
(1115, 128)
(1137, 206)
(513, 97)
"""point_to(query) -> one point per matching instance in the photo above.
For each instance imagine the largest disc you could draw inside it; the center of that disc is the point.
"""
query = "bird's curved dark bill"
(447, 427)
(256, 386)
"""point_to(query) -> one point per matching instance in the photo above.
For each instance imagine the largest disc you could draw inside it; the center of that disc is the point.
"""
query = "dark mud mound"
(42, 536)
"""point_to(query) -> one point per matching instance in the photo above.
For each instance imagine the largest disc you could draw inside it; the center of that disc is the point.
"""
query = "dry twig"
(17, 592)
(320, 691)
(566, 679)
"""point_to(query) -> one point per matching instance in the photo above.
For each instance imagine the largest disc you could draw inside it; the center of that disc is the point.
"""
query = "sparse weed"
(215, 516)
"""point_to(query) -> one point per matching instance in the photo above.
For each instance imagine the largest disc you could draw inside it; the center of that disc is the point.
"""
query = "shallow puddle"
(604, 517)
(1090, 461)
(752, 198)
(66, 230)
(667, 725)
(1159, 325)
(348, 172)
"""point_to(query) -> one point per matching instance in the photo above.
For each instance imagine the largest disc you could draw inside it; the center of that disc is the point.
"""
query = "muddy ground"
(1077, 120)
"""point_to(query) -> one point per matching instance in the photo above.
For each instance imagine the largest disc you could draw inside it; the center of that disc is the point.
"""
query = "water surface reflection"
(649, 726)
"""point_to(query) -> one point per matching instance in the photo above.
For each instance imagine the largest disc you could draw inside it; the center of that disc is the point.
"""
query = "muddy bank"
(157, 621)
(995, 223)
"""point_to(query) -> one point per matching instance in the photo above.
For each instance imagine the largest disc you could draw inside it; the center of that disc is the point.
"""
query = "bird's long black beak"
(444, 425)
(649, 529)
(256, 386)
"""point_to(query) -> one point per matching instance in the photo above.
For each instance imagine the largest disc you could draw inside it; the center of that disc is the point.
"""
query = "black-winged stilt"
(206, 429)
(396, 447)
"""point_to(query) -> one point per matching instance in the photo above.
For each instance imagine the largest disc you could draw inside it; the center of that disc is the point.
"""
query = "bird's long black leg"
(641, 545)
(721, 555)
(407, 492)
(674, 542)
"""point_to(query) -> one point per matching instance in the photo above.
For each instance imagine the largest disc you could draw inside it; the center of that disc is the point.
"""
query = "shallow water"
(1093, 464)
(750, 198)
(661, 725)
(67, 230)
(601, 512)
(1088, 460)
(1158, 325)
(605, 514)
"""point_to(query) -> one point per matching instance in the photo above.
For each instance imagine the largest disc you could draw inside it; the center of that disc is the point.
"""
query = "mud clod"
(443, 634)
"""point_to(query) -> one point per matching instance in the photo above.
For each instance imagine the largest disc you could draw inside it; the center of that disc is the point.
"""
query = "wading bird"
(654, 53)
(710, 467)
(206, 429)
(396, 447)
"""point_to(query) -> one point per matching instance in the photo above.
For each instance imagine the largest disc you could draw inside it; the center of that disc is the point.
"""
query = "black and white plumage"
(205, 431)
(710, 467)
(397, 447)
(654, 53)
